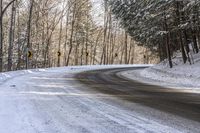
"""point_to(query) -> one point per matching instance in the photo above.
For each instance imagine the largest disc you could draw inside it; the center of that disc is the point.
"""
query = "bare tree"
(11, 36)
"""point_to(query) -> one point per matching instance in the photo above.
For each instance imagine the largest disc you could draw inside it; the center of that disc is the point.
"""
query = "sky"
(97, 11)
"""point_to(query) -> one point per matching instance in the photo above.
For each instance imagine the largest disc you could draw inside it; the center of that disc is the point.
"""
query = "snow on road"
(52, 101)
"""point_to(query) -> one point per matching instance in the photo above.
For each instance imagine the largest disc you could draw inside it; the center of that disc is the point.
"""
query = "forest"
(164, 26)
(54, 33)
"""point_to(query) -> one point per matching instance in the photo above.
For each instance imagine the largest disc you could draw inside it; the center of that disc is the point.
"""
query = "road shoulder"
(160, 78)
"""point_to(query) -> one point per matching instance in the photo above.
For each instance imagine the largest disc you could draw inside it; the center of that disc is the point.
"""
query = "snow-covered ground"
(54, 101)
(181, 76)
(9, 75)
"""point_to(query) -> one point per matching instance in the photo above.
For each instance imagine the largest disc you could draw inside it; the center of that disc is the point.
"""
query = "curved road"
(99, 101)
(173, 103)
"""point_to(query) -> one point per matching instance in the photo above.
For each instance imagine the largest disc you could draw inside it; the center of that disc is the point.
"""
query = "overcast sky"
(97, 11)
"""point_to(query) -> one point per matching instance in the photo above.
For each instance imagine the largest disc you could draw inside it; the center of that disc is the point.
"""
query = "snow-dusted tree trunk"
(11, 36)
(59, 43)
(71, 34)
(167, 39)
(1, 35)
(29, 32)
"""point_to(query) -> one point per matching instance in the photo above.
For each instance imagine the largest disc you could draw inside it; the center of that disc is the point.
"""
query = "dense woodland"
(53, 33)
(164, 26)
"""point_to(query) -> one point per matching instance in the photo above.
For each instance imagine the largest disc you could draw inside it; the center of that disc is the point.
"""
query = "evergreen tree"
(164, 26)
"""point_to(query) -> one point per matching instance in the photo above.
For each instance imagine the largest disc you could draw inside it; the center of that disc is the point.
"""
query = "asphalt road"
(101, 101)
(174, 103)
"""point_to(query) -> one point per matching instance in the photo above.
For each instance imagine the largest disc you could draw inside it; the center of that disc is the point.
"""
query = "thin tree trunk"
(11, 37)
(194, 38)
(19, 42)
(108, 45)
(126, 48)
(1, 35)
(129, 53)
(86, 41)
(168, 43)
(103, 56)
(186, 47)
(113, 47)
(66, 37)
(133, 54)
(37, 52)
(95, 47)
(76, 54)
(59, 44)
(29, 32)
(180, 32)
(71, 38)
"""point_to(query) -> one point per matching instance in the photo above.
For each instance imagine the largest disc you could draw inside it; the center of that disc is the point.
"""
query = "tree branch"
(4, 10)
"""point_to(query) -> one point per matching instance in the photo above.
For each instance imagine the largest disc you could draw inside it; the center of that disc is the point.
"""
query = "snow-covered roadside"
(9, 75)
(182, 76)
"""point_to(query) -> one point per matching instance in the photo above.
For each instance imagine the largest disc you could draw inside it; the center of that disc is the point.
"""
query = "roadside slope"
(180, 76)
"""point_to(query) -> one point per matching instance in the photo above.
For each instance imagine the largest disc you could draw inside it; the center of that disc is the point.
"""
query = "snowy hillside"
(182, 75)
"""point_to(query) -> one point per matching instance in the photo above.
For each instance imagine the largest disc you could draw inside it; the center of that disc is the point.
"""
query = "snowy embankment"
(9, 75)
(183, 76)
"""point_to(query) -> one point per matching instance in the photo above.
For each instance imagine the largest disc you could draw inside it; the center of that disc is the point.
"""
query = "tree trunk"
(71, 40)
(133, 52)
(19, 42)
(103, 56)
(59, 43)
(66, 37)
(1, 35)
(29, 32)
(126, 48)
(11, 37)
(129, 52)
(168, 43)
(194, 38)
